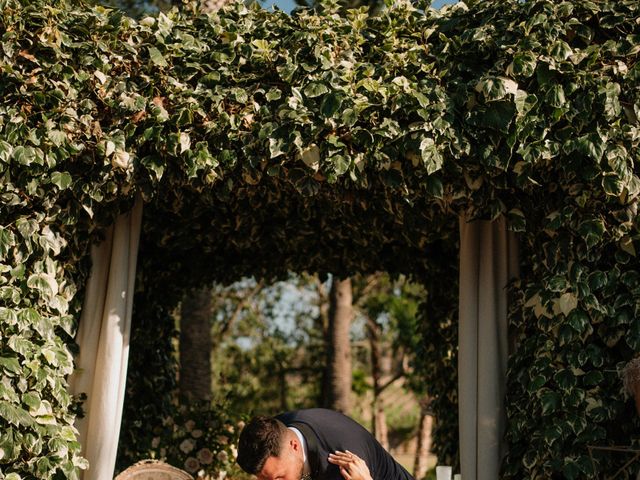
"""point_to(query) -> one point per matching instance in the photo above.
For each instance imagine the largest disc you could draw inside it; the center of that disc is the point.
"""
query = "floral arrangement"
(199, 439)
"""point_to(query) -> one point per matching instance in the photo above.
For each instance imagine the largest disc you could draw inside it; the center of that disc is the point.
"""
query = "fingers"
(342, 461)
(345, 473)
(341, 458)
(346, 455)
(351, 465)
(346, 462)
(355, 459)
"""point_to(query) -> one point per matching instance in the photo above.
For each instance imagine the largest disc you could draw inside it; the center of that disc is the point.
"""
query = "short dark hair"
(260, 439)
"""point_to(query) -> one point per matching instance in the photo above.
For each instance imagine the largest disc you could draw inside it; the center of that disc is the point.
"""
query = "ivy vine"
(264, 143)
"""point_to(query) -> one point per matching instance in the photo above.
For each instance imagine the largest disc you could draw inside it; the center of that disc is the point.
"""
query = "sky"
(288, 5)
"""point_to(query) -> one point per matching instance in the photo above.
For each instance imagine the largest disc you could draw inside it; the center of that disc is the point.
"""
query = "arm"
(352, 467)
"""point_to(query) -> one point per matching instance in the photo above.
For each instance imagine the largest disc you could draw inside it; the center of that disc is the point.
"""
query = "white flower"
(222, 456)
(190, 425)
(191, 465)
(187, 445)
(197, 433)
(155, 442)
(205, 456)
(222, 439)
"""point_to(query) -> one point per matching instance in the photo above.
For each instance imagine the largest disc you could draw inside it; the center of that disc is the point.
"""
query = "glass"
(443, 472)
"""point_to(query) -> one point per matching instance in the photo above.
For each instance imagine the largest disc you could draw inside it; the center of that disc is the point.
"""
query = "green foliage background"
(264, 143)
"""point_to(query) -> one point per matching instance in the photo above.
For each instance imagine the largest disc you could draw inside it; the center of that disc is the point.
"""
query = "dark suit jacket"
(327, 431)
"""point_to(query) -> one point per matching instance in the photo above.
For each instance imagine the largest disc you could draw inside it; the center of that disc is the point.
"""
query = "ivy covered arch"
(268, 139)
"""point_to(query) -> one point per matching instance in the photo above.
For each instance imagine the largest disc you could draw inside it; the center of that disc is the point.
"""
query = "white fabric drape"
(488, 260)
(103, 339)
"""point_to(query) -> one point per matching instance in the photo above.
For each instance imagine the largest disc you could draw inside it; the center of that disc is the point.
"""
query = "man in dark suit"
(297, 445)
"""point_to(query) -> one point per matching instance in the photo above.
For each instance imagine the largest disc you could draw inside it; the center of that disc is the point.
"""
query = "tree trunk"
(424, 442)
(379, 423)
(322, 324)
(284, 392)
(380, 419)
(339, 352)
(195, 346)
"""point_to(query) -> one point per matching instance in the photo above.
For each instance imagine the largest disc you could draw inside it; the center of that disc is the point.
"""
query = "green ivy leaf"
(15, 415)
(431, 157)
(597, 280)
(156, 57)
(565, 379)
(552, 433)
(274, 94)
(537, 383)
(10, 364)
(551, 402)
(579, 321)
(8, 316)
(523, 64)
(276, 147)
(6, 151)
(592, 231)
(434, 186)
(331, 103)
(496, 88)
(315, 89)
(32, 400)
(7, 241)
(61, 179)
(558, 284)
(555, 96)
(517, 220)
(340, 164)
(612, 108)
(567, 303)
(57, 137)
(593, 378)
(422, 99)
(496, 115)
(591, 145)
(44, 283)
(24, 155)
(21, 345)
(349, 117)
(571, 471)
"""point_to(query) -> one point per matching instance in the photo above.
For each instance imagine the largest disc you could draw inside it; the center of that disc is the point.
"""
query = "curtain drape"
(488, 260)
(103, 339)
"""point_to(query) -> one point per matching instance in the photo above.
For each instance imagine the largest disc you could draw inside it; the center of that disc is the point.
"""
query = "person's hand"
(352, 467)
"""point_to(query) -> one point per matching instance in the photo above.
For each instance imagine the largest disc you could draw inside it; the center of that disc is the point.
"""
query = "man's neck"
(306, 469)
